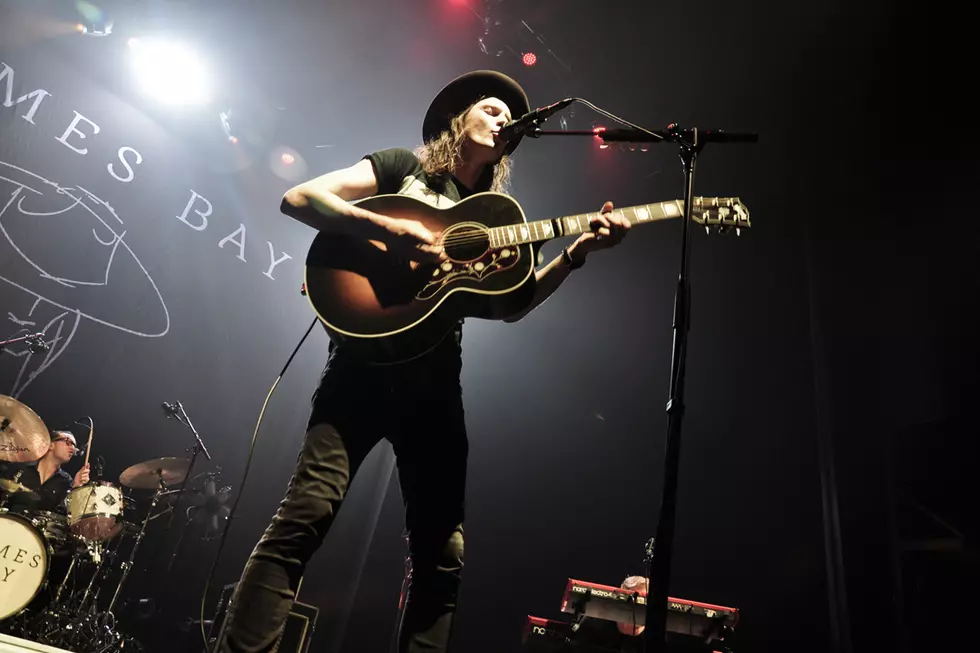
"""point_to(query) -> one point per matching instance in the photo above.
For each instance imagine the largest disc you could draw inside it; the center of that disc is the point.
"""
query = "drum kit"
(61, 573)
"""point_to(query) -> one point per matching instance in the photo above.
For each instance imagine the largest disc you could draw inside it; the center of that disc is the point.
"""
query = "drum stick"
(88, 445)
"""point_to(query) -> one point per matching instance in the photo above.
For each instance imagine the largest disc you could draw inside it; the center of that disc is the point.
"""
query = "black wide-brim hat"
(468, 89)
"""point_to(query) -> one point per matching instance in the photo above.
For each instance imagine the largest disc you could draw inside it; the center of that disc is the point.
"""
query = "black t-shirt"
(399, 172)
(52, 492)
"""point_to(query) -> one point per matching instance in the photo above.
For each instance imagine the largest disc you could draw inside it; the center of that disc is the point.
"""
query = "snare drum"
(24, 559)
(95, 511)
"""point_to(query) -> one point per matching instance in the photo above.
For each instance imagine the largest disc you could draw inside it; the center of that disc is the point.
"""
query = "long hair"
(440, 156)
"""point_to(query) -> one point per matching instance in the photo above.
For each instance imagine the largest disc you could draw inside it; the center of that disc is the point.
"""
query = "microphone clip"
(529, 122)
(171, 409)
(36, 343)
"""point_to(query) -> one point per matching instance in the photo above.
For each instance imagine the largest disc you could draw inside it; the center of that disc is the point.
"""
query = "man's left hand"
(81, 478)
(608, 230)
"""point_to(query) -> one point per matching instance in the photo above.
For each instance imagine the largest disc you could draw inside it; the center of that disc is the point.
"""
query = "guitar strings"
(475, 238)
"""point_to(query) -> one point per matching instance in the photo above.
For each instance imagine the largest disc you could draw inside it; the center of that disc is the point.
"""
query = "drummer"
(48, 483)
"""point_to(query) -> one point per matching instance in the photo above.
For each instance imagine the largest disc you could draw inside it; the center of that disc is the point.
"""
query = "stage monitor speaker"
(296, 635)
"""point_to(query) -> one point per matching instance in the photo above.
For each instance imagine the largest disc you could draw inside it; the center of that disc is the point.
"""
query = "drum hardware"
(128, 565)
(23, 436)
(176, 411)
(64, 581)
(73, 620)
(211, 506)
(57, 600)
(94, 550)
(63, 607)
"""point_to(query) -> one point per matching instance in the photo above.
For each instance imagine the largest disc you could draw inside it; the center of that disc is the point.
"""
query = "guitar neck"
(573, 225)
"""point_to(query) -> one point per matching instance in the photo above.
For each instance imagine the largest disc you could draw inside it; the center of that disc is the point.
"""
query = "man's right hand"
(413, 240)
(82, 477)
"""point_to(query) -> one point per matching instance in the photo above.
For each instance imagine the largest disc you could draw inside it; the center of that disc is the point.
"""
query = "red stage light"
(287, 158)
(529, 59)
(597, 131)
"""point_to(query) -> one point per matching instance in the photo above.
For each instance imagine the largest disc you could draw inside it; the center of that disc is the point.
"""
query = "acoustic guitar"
(387, 310)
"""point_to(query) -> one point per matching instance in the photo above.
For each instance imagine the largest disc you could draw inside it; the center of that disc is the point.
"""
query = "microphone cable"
(607, 114)
(234, 506)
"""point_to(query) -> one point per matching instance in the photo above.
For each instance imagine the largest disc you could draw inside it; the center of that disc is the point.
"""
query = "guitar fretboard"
(576, 224)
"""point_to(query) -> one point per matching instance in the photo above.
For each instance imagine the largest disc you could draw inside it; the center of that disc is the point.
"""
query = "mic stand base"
(659, 569)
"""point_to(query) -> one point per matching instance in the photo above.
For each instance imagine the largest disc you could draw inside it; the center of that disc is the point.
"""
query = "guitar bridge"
(477, 271)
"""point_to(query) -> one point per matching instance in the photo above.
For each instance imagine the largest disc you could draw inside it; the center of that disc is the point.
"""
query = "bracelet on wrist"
(569, 262)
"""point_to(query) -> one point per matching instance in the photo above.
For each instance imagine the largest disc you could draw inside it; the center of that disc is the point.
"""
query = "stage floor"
(10, 644)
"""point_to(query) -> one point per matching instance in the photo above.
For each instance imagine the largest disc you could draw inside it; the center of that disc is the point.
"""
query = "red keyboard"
(704, 621)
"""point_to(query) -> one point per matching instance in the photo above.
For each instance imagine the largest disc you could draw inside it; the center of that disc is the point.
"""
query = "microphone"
(517, 128)
(91, 425)
(36, 344)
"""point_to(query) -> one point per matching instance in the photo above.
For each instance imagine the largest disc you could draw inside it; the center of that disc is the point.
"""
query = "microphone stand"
(690, 143)
(35, 342)
(177, 411)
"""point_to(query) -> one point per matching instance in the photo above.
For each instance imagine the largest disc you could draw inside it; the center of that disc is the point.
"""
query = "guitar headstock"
(721, 214)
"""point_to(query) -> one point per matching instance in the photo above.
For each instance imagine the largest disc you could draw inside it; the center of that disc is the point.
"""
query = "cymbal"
(147, 474)
(10, 486)
(23, 436)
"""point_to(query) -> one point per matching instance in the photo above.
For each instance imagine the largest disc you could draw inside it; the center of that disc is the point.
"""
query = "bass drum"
(23, 563)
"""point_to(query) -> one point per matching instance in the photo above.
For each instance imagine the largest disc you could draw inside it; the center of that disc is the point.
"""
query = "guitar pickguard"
(478, 270)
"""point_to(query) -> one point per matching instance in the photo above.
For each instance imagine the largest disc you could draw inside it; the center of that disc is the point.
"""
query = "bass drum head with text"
(23, 564)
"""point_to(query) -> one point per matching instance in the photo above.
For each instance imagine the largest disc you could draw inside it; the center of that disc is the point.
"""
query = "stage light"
(95, 21)
(225, 118)
(598, 130)
(286, 163)
(169, 72)
(529, 59)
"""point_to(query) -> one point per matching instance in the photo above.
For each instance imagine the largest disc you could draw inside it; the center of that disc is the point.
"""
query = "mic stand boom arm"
(668, 135)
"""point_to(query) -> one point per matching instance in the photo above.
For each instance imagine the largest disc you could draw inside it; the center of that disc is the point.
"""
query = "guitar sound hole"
(466, 243)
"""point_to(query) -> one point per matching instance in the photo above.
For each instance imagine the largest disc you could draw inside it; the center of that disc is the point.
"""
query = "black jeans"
(418, 408)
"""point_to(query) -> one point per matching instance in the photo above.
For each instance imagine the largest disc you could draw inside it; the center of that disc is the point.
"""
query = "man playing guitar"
(417, 404)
